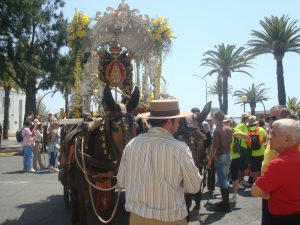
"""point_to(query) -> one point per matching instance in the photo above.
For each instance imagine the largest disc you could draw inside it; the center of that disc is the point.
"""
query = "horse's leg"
(74, 207)
(81, 207)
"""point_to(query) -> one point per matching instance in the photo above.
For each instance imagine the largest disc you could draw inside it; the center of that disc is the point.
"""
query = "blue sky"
(198, 26)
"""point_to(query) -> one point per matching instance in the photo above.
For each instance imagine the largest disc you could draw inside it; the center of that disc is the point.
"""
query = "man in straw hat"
(156, 169)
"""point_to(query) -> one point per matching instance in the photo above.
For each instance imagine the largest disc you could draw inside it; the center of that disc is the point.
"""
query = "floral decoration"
(162, 34)
(78, 29)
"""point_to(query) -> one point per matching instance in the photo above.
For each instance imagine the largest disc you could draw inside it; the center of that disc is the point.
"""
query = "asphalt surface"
(37, 199)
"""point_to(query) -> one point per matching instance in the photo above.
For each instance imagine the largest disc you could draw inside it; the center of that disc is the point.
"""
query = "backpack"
(255, 141)
(19, 136)
(236, 145)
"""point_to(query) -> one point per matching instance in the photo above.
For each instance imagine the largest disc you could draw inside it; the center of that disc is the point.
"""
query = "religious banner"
(115, 73)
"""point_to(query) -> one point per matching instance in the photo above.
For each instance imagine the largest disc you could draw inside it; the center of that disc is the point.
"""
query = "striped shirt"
(156, 170)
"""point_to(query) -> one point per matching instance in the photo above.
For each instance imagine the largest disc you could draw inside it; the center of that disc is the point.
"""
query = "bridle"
(127, 122)
(107, 128)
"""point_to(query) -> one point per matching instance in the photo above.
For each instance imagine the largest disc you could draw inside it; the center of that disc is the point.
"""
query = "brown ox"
(91, 156)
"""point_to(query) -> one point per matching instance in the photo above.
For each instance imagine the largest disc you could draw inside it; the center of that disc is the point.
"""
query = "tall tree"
(7, 83)
(32, 34)
(279, 35)
(217, 89)
(224, 61)
(254, 93)
(66, 67)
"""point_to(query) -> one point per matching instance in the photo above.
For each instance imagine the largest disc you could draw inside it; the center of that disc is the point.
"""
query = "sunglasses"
(273, 118)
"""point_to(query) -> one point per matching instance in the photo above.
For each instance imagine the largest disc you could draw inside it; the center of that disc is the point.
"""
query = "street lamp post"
(203, 78)
(40, 100)
(244, 99)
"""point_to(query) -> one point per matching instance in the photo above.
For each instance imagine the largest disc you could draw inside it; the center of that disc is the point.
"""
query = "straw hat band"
(164, 109)
(164, 113)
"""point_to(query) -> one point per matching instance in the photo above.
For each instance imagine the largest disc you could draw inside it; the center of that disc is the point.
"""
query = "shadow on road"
(52, 211)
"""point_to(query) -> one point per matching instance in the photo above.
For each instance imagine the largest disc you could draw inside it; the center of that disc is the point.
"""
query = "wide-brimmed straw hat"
(37, 122)
(227, 118)
(245, 115)
(164, 109)
(252, 121)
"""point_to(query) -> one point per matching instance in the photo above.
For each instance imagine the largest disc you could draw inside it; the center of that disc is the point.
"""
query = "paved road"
(36, 199)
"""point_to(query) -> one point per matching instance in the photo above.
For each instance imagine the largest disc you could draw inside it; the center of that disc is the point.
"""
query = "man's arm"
(210, 157)
(256, 191)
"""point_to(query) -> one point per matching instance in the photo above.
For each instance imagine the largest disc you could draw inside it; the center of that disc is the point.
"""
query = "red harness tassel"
(103, 198)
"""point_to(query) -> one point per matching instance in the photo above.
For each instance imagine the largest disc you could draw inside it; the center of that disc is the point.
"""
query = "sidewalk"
(11, 146)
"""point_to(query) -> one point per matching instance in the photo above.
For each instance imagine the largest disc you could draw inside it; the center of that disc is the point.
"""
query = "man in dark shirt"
(221, 154)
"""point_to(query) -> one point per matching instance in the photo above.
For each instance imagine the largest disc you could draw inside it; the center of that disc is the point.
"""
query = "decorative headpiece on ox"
(110, 134)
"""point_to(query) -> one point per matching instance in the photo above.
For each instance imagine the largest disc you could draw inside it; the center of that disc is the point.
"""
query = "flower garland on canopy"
(77, 31)
(161, 33)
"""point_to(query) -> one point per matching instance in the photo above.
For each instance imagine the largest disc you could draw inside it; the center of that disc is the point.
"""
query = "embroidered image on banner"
(115, 73)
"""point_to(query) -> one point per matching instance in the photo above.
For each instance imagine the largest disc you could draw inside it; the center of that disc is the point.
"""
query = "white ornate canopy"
(124, 26)
(129, 30)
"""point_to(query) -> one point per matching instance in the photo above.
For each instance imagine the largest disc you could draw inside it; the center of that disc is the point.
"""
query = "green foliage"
(254, 93)
(279, 35)
(294, 104)
(32, 34)
(217, 88)
(224, 61)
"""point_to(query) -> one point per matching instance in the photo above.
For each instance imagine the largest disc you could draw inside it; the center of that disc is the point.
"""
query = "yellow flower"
(85, 20)
(78, 28)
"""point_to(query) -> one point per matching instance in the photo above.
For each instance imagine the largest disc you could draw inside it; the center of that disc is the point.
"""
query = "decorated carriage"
(121, 54)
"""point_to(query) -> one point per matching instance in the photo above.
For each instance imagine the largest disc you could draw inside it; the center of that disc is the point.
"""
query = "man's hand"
(266, 196)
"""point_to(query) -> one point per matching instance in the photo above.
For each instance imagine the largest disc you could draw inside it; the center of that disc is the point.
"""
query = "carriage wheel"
(67, 196)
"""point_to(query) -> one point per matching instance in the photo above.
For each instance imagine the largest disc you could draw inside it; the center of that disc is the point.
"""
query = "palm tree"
(279, 36)
(255, 94)
(217, 89)
(294, 104)
(224, 61)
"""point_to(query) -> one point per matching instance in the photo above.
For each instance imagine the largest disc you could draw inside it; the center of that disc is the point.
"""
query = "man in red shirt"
(280, 182)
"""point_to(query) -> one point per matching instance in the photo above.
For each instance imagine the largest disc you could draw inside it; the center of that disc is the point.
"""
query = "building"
(16, 110)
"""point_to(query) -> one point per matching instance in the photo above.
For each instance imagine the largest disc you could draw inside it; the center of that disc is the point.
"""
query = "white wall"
(16, 110)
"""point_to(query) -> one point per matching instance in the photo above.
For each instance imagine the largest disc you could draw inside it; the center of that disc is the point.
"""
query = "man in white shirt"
(156, 169)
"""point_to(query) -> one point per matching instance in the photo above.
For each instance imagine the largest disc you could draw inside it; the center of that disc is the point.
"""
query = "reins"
(83, 169)
(113, 150)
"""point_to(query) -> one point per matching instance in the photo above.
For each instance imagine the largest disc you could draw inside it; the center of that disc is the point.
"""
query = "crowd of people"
(37, 138)
(157, 170)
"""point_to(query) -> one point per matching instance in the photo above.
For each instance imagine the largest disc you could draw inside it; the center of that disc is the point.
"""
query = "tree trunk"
(6, 111)
(252, 110)
(30, 103)
(66, 96)
(280, 83)
(225, 94)
(220, 102)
